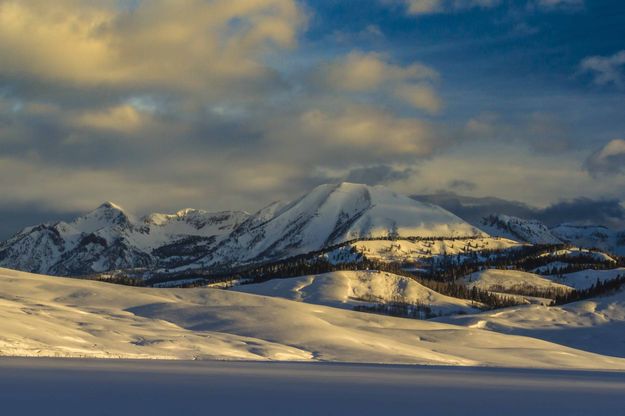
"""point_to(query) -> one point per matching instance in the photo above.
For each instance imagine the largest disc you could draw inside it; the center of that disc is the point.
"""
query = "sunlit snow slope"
(347, 289)
(49, 316)
(511, 280)
(336, 213)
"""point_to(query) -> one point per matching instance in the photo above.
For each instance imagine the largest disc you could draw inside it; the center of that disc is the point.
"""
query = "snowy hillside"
(579, 253)
(586, 278)
(518, 229)
(408, 251)
(336, 213)
(108, 238)
(49, 316)
(592, 237)
(595, 325)
(348, 289)
(512, 281)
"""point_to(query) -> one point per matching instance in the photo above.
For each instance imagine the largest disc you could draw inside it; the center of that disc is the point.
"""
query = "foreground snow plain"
(119, 387)
(596, 325)
(58, 317)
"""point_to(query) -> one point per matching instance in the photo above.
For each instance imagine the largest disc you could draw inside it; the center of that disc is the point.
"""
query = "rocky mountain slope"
(530, 231)
(592, 236)
(108, 238)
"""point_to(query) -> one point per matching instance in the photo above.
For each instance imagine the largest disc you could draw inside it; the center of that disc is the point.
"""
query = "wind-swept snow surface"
(596, 325)
(156, 388)
(49, 316)
(347, 289)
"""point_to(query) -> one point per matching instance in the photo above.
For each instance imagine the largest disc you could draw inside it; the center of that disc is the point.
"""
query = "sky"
(159, 105)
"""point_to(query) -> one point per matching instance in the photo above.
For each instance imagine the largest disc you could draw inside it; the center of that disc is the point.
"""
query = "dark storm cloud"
(20, 216)
(608, 212)
(462, 185)
(473, 209)
(376, 175)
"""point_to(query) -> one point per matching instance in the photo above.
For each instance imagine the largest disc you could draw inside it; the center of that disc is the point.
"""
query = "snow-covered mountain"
(519, 229)
(333, 214)
(108, 238)
(535, 232)
(592, 236)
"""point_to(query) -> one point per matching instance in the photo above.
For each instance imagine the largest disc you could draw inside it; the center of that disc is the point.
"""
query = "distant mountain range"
(109, 238)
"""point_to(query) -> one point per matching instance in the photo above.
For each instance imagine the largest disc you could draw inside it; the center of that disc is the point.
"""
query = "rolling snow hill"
(586, 278)
(349, 289)
(51, 316)
(595, 325)
(512, 281)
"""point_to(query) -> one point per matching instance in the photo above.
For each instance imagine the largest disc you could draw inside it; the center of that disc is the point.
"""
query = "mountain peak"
(106, 214)
(108, 205)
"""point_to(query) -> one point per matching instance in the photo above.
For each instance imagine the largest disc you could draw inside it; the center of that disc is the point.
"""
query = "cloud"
(610, 159)
(24, 215)
(581, 211)
(360, 72)
(586, 211)
(421, 7)
(363, 71)
(473, 209)
(461, 185)
(169, 103)
(560, 4)
(542, 132)
(378, 174)
(190, 45)
(428, 7)
(420, 96)
(605, 69)
(366, 133)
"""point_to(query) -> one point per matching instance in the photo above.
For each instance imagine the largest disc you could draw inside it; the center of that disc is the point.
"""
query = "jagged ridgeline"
(339, 224)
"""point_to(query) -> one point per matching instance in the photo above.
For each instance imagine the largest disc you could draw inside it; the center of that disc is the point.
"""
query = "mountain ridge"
(108, 238)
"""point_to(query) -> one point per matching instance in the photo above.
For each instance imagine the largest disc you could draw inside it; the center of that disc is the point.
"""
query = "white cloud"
(420, 96)
(371, 72)
(606, 69)
(421, 7)
(196, 46)
(610, 159)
